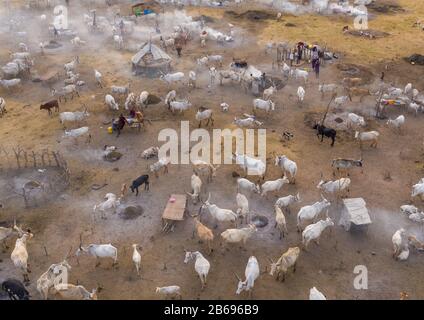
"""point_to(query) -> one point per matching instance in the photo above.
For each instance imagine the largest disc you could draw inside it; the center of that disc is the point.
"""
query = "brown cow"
(359, 92)
(50, 105)
(352, 82)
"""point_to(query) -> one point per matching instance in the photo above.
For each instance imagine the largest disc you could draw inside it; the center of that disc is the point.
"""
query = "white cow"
(250, 165)
(251, 273)
(314, 294)
(170, 78)
(288, 167)
(313, 231)
(110, 204)
(110, 101)
(311, 212)
(201, 265)
(297, 73)
(266, 105)
(274, 185)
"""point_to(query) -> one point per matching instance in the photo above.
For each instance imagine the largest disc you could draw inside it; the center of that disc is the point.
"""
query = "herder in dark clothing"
(316, 68)
(299, 52)
(121, 27)
(316, 63)
(263, 80)
(314, 56)
(119, 124)
(178, 47)
(132, 113)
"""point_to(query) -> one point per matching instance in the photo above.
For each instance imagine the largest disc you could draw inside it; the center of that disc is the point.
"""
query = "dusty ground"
(57, 225)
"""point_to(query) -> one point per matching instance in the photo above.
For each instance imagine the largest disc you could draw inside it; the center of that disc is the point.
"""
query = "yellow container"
(110, 130)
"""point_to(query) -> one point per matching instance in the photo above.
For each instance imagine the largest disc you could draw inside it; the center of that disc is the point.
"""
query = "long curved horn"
(80, 245)
(238, 278)
(200, 211)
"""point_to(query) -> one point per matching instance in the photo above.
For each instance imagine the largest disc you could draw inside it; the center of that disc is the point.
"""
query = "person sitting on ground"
(132, 113)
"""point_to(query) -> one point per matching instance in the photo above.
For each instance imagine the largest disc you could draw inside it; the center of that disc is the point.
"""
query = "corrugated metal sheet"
(357, 211)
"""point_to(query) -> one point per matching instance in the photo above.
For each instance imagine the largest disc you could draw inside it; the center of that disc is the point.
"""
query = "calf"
(324, 131)
(138, 182)
(397, 123)
(161, 163)
(52, 104)
(150, 153)
(204, 168)
(345, 165)
(67, 291)
(169, 291)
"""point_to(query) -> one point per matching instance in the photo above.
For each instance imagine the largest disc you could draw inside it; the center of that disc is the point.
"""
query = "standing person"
(316, 68)
(178, 47)
(299, 52)
(321, 55)
(94, 19)
(121, 27)
(263, 80)
(291, 56)
(314, 57)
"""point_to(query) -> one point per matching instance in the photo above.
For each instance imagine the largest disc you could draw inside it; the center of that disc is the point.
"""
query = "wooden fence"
(17, 158)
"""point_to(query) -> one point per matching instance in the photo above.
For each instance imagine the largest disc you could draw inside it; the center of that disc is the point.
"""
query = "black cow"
(138, 182)
(52, 104)
(15, 289)
(324, 131)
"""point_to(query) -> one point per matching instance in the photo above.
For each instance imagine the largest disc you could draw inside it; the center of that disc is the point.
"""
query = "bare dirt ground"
(58, 224)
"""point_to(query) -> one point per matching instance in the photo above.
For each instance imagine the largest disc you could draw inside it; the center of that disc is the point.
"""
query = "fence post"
(17, 158)
(34, 159)
(56, 158)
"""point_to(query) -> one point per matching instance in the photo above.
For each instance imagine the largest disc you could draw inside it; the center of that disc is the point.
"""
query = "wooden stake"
(328, 108)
